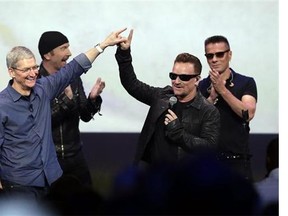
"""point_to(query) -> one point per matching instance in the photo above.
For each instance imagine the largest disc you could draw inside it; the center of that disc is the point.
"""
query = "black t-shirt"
(234, 135)
(160, 148)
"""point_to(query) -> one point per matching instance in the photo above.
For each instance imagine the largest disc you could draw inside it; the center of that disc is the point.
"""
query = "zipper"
(62, 144)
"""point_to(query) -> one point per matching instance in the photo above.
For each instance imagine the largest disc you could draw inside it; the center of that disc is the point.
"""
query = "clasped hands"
(218, 84)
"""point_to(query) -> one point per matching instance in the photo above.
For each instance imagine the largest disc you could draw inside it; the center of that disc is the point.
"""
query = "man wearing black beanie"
(68, 107)
(50, 40)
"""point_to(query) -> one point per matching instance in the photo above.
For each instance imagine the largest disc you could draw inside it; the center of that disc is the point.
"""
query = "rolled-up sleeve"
(83, 61)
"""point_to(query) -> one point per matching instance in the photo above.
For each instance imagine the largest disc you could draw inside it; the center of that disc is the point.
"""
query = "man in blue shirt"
(28, 161)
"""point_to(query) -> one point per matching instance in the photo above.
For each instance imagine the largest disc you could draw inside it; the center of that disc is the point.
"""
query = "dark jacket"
(200, 124)
(66, 115)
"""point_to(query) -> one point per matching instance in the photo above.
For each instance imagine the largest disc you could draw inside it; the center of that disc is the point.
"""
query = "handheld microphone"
(172, 101)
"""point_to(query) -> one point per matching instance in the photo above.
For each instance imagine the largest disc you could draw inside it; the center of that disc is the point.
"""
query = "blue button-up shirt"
(27, 151)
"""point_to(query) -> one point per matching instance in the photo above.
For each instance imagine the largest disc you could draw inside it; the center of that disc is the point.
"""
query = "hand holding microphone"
(171, 116)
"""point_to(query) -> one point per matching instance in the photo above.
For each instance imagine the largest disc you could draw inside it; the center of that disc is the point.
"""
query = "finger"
(213, 70)
(120, 31)
(212, 74)
(130, 35)
(172, 115)
(171, 112)
(166, 121)
(98, 80)
(103, 84)
(168, 117)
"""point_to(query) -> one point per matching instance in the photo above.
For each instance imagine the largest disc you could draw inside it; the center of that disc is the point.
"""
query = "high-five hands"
(127, 42)
(114, 38)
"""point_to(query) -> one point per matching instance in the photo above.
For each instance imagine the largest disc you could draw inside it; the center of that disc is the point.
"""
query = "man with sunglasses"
(171, 131)
(235, 96)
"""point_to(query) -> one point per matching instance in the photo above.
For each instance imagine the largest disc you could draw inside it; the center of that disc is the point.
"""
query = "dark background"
(110, 153)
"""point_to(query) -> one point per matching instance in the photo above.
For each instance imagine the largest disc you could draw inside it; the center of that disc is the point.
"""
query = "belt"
(9, 184)
(225, 156)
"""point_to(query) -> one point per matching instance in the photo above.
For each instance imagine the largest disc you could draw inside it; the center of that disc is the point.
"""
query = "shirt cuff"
(83, 61)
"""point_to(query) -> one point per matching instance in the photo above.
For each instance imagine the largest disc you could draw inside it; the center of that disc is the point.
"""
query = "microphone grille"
(172, 101)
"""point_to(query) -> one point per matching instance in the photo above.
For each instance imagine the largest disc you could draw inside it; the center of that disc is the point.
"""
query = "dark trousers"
(76, 166)
(240, 166)
(12, 190)
(239, 163)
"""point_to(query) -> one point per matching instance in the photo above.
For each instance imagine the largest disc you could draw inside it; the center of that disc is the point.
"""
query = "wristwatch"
(97, 46)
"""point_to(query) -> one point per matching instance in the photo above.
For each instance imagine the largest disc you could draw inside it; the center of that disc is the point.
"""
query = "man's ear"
(47, 56)
(198, 78)
(11, 72)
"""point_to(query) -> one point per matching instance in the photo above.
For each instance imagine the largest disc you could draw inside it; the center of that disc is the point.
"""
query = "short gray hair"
(16, 54)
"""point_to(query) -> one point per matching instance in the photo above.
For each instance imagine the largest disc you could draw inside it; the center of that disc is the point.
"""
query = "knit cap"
(50, 40)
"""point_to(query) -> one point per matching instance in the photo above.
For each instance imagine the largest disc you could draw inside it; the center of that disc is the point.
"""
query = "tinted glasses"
(217, 54)
(183, 77)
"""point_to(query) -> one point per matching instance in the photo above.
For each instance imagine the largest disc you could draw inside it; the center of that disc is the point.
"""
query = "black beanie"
(50, 40)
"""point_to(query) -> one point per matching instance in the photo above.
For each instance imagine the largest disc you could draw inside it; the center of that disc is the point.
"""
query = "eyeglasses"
(26, 70)
(217, 54)
(183, 77)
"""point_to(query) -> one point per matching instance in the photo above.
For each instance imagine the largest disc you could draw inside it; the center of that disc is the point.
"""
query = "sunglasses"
(183, 77)
(217, 54)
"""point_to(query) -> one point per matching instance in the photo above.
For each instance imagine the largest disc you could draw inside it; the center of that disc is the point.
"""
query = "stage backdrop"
(162, 29)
